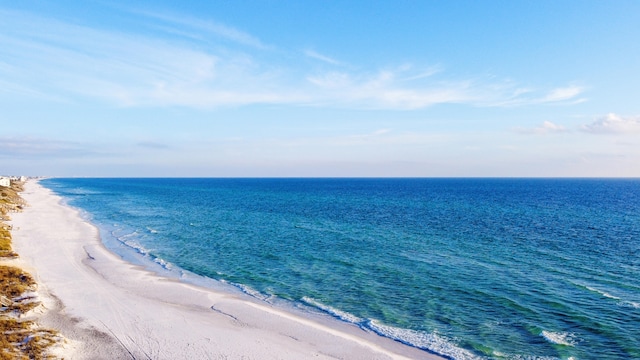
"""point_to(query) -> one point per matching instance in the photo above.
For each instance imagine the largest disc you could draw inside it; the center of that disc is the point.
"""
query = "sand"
(107, 308)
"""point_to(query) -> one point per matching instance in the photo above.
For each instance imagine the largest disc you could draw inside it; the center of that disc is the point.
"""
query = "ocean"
(465, 268)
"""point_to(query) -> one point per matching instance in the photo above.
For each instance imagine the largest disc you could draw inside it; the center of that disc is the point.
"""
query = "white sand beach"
(107, 308)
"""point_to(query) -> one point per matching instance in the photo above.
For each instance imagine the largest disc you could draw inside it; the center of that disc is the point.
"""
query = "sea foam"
(559, 338)
(621, 302)
(422, 340)
(426, 341)
(603, 293)
(344, 316)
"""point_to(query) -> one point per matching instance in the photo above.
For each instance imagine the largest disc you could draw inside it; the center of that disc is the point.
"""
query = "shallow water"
(467, 268)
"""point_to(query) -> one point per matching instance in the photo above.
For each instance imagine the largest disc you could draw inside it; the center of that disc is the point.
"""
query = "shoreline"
(109, 308)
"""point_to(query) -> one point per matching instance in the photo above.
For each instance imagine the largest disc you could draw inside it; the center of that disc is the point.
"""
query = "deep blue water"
(468, 268)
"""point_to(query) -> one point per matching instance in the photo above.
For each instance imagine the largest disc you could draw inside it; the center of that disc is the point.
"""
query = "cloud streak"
(64, 60)
(547, 127)
(386, 90)
(153, 145)
(512, 96)
(50, 59)
(197, 27)
(315, 55)
(12, 147)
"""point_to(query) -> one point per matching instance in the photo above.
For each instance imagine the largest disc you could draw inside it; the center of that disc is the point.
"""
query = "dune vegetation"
(21, 337)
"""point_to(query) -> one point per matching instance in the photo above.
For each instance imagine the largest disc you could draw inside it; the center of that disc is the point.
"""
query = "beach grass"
(5, 242)
(21, 339)
(10, 201)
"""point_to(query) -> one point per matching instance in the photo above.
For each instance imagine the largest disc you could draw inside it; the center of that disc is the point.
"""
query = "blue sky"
(320, 88)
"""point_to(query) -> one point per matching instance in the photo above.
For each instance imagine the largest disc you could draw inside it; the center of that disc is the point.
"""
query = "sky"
(320, 88)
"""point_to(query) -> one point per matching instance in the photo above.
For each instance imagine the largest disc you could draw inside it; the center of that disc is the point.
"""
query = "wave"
(621, 301)
(603, 293)
(141, 250)
(426, 341)
(431, 342)
(633, 304)
(79, 192)
(251, 291)
(133, 244)
(165, 265)
(501, 355)
(341, 315)
(122, 237)
(560, 338)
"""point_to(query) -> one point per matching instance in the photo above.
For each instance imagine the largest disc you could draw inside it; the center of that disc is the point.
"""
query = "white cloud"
(519, 96)
(614, 124)
(51, 59)
(315, 55)
(374, 141)
(563, 94)
(211, 27)
(547, 127)
(48, 58)
(387, 89)
(37, 147)
(407, 88)
(331, 80)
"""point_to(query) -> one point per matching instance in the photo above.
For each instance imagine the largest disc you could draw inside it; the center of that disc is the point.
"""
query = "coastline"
(108, 308)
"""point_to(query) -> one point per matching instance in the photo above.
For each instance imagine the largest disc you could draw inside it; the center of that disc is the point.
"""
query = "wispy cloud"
(387, 89)
(547, 127)
(614, 124)
(519, 96)
(199, 26)
(376, 139)
(563, 94)
(65, 60)
(421, 74)
(55, 60)
(316, 55)
(38, 147)
(153, 145)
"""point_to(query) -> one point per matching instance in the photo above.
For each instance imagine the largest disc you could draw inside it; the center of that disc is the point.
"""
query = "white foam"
(165, 265)
(344, 316)
(632, 304)
(426, 341)
(559, 338)
(146, 254)
(136, 246)
(621, 302)
(527, 357)
(603, 293)
(252, 292)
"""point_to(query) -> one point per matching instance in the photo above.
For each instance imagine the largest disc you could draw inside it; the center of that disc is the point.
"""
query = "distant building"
(5, 181)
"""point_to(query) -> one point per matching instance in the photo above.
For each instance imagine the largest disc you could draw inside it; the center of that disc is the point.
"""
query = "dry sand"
(108, 308)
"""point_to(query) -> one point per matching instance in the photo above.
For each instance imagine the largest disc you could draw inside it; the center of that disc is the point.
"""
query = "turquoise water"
(467, 268)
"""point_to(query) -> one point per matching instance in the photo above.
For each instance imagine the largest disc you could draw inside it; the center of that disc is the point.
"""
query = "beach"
(107, 308)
